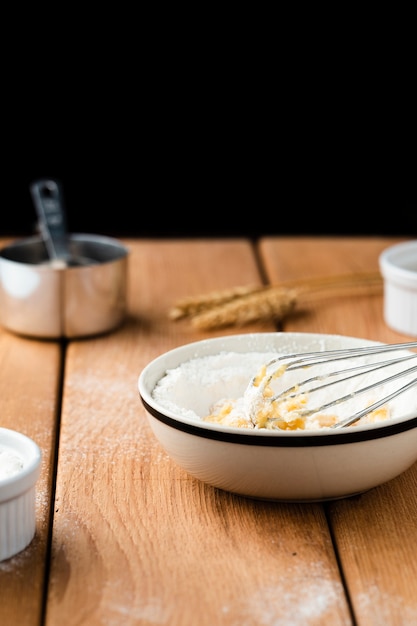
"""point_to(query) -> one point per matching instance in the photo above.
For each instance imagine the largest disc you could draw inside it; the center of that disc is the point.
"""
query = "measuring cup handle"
(48, 200)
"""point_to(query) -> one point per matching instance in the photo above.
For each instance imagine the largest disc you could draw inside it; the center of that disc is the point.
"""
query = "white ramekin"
(17, 491)
(398, 266)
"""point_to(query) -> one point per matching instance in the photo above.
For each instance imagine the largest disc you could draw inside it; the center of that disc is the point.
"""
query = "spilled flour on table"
(293, 599)
(382, 608)
(311, 604)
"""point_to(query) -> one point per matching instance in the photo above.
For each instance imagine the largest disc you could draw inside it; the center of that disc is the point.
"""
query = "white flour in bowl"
(216, 388)
(190, 389)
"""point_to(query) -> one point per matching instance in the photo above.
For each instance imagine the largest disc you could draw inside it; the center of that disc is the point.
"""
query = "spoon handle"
(48, 200)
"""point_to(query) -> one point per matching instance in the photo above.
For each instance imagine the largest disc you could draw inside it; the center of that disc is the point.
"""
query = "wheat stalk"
(256, 307)
(187, 307)
(244, 304)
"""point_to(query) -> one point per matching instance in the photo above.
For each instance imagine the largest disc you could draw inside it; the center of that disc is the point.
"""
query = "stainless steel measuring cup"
(40, 299)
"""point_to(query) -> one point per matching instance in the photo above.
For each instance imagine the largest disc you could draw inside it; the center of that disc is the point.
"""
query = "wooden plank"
(137, 540)
(29, 393)
(375, 533)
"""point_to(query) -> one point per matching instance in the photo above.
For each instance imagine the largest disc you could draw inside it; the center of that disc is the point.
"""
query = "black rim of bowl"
(312, 440)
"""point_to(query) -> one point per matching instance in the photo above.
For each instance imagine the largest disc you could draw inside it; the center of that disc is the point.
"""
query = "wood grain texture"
(135, 539)
(29, 401)
(375, 533)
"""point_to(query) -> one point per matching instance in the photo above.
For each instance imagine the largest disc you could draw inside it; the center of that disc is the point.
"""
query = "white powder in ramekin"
(10, 463)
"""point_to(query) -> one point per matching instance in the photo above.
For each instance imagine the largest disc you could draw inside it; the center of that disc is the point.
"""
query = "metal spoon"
(48, 199)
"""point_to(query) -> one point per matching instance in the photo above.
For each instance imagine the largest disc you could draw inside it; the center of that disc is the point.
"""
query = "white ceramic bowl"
(20, 463)
(398, 266)
(272, 464)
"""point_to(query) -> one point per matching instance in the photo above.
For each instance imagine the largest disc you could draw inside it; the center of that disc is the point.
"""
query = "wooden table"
(125, 537)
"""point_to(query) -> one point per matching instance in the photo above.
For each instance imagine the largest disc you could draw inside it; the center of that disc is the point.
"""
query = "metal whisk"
(259, 392)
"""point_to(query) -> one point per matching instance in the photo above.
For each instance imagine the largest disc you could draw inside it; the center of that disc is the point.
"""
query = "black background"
(158, 128)
(167, 162)
(192, 195)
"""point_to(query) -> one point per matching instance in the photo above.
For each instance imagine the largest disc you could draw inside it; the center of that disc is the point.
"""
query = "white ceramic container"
(398, 266)
(20, 464)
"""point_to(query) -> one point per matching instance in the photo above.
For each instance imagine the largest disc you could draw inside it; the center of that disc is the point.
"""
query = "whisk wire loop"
(359, 370)
(301, 359)
(376, 405)
(285, 363)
